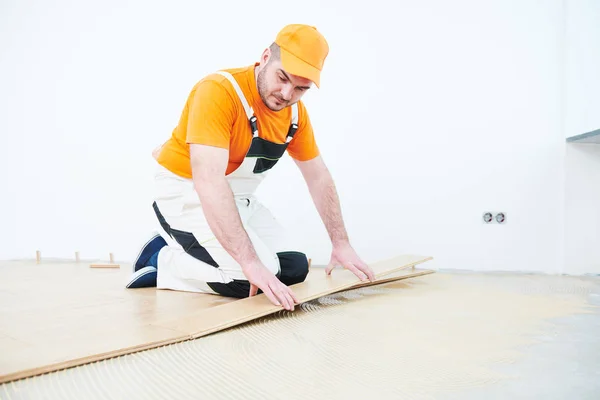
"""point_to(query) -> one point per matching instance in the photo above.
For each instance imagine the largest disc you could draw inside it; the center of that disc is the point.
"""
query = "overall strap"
(294, 124)
(247, 108)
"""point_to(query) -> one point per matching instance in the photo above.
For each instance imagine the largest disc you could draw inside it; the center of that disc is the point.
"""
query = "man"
(215, 236)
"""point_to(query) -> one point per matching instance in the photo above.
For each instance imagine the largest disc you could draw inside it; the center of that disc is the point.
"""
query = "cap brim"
(296, 66)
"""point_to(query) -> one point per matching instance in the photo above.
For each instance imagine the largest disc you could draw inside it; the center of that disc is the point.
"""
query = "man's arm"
(324, 194)
(209, 164)
(208, 170)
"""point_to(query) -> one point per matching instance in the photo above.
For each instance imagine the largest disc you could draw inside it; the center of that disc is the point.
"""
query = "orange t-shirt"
(214, 115)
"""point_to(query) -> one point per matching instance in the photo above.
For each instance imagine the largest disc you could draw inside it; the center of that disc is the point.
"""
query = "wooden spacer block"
(38, 256)
(105, 266)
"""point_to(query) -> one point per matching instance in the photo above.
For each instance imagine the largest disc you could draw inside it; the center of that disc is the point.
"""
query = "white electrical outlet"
(494, 217)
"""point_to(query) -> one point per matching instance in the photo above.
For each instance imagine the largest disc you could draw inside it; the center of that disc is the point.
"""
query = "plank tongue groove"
(61, 315)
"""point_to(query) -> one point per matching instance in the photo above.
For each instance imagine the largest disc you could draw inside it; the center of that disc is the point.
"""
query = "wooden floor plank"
(396, 276)
(55, 315)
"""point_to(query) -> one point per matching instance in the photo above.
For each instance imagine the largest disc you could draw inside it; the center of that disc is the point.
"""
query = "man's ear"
(265, 57)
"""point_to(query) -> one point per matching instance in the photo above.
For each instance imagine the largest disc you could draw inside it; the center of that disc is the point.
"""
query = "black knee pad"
(294, 267)
(236, 288)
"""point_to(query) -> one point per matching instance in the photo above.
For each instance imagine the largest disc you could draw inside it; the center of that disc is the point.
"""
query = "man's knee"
(294, 267)
(236, 288)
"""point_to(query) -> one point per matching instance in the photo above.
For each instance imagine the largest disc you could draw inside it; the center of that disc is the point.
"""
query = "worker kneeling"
(214, 234)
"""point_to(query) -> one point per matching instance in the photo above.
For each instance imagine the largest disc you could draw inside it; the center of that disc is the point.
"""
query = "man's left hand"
(345, 256)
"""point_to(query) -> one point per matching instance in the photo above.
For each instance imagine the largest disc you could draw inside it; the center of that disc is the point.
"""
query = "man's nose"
(287, 92)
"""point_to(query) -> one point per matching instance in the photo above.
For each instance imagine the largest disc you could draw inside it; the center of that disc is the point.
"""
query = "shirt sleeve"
(211, 115)
(303, 146)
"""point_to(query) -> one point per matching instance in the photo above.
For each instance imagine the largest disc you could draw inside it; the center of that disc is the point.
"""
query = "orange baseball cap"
(303, 51)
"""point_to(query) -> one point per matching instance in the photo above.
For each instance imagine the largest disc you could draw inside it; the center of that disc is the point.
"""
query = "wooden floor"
(55, 315)
(447, 336)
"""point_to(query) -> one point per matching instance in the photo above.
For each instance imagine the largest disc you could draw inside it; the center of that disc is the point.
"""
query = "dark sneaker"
(151, 247)
(143, 278)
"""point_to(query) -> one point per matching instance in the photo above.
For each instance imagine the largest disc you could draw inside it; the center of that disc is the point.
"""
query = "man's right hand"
(261, 278)
(209, 165)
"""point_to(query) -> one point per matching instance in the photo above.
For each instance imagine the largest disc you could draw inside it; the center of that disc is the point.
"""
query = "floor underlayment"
(442, 336)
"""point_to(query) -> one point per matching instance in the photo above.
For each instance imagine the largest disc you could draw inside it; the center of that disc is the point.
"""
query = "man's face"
(279, 89)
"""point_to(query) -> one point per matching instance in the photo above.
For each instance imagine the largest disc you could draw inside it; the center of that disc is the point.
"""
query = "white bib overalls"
(194, 260)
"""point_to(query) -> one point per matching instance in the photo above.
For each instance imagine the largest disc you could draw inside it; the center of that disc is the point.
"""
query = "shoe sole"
(140, 275)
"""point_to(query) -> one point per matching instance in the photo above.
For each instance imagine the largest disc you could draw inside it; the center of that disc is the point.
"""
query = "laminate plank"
(204, 322)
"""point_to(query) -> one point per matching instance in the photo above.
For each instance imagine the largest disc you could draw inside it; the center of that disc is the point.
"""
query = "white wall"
(430, 113)
(582, 162)
(582, 63)
(582, 228)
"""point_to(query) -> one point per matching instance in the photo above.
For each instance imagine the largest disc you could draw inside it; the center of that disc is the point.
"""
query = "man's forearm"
(327, 202)
(224, 220)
